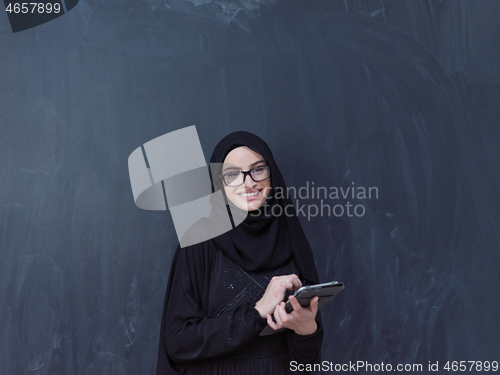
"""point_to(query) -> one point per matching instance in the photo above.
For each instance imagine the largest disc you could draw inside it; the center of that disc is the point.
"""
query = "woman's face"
(251, 195)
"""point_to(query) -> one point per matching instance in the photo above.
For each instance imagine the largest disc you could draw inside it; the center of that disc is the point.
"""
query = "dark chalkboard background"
(402, 95)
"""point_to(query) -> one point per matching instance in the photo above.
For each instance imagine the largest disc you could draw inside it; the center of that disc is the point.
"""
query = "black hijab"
(263, 241)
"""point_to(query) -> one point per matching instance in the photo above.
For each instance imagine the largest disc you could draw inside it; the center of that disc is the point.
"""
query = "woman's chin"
(255, 206)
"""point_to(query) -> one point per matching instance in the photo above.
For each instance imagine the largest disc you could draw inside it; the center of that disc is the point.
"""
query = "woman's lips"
(251, 197)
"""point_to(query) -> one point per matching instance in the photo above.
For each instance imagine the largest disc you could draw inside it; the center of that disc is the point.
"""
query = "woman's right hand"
(275, 293)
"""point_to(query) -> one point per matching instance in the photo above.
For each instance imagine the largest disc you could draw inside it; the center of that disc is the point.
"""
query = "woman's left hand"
(302, 320)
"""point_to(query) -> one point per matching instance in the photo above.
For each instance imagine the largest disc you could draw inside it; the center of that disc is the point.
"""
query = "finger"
(277, 317)
(299, 283)
(296, 281)
(270, 322)
(314, 305)
(295, 303)
(283, 315)
(284, 286)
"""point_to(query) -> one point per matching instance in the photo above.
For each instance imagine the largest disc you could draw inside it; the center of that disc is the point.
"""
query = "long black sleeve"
(306, 349)
(188, 332)
(209, 315)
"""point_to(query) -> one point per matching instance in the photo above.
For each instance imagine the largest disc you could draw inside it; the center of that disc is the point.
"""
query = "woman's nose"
(249, 182)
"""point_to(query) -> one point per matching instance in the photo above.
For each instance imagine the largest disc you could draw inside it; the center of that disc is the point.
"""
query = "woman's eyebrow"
(251, 165)
(257, 162)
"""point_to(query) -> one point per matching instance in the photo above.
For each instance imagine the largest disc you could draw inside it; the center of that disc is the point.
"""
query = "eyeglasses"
(237, 178)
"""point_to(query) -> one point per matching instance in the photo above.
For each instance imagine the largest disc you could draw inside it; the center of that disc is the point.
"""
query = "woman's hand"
(275, 293)
(302, 320)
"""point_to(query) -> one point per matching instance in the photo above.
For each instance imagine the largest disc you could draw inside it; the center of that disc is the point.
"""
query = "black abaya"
(210, 326)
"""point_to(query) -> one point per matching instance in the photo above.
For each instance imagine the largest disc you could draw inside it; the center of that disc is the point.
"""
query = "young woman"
(222, 292)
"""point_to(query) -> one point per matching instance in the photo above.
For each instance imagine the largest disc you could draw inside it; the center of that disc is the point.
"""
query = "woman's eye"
(258, 170)
(233, 174)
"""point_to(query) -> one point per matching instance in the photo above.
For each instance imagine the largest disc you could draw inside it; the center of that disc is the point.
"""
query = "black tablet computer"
(325, 292)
